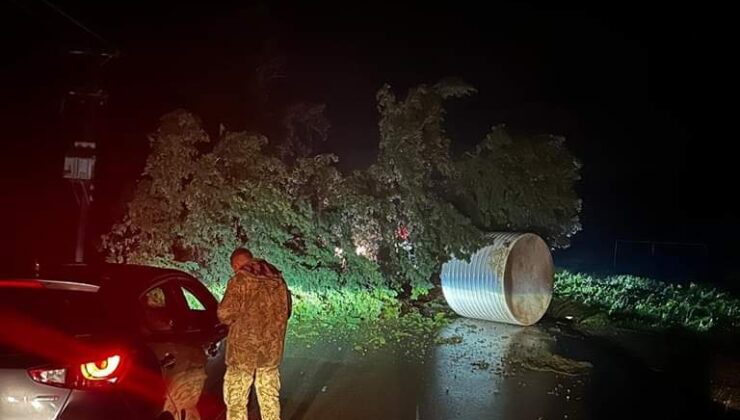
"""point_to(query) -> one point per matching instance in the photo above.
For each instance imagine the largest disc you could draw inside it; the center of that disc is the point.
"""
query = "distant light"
(569, 317)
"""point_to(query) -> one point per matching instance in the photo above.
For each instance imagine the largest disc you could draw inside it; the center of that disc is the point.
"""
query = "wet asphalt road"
(486, 376)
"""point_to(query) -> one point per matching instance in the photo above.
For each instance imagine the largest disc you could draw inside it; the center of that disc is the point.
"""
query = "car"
(109, 341)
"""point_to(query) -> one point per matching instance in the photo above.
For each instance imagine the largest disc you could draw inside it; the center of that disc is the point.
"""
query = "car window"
(155, 298)
(157, 310)
(198, 312)
(193, 303)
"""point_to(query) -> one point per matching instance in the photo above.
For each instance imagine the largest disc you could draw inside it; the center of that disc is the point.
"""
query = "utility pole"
(80, 106)
(83, 104)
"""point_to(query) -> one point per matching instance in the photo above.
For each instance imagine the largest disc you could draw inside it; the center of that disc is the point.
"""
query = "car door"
(182, 360)
(200, 327)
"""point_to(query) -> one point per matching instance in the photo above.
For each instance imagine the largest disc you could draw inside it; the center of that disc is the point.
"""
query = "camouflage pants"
(183, 394)
(237, 384)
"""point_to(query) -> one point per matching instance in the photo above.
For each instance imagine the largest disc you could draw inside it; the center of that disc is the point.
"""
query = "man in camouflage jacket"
(256, 307)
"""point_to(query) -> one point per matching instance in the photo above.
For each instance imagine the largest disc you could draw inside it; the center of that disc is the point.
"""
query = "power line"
(77, 22)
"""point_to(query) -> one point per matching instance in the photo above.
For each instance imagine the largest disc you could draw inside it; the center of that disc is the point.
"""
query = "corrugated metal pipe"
(508, 281)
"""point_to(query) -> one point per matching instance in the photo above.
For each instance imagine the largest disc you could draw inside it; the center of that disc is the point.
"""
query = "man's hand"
(230, 305)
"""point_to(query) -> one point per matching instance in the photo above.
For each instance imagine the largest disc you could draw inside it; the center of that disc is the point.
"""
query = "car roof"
(105, 276)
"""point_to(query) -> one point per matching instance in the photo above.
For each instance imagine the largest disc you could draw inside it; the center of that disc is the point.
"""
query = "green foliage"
(649, 302)
(383, 230)
(402, 190)
(497, 180)
(234, 194)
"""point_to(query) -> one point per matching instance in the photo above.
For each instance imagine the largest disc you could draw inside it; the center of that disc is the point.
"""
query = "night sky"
(639, 92)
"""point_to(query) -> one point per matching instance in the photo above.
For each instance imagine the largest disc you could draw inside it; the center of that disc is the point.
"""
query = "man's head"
(240, 258)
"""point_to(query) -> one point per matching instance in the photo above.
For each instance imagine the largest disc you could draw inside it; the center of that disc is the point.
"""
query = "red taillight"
(102, 370)
(94, 374)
